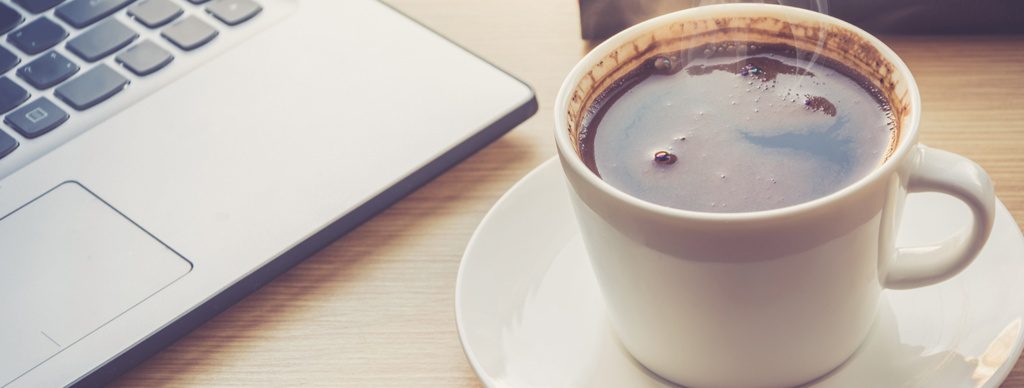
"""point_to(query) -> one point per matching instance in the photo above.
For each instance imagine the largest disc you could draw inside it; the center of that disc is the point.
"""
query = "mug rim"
(906, 141)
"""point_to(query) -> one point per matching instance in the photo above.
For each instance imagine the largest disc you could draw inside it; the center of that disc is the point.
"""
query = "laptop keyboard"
(53, 85)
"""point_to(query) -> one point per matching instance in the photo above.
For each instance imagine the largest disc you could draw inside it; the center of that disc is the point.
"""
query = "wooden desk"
(376, 307)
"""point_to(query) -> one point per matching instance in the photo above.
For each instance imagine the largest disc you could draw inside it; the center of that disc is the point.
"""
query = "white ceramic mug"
(768, 298)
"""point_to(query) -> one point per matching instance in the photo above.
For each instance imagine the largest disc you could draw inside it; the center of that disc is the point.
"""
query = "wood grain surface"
(376, 307)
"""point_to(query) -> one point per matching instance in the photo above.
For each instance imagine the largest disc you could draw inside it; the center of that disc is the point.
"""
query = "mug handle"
(952, 174)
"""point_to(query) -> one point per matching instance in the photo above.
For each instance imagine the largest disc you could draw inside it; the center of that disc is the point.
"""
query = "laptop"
(161, 159)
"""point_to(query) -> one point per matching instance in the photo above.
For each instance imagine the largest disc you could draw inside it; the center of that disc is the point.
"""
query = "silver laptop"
(161, 159)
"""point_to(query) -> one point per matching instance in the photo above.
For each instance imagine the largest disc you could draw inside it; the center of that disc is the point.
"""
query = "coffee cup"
(775, 297)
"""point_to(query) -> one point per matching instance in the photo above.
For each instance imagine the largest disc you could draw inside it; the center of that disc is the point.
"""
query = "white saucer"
(530, 314)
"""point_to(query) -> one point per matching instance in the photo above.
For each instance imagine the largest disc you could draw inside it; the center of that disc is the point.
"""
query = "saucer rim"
(470, 247)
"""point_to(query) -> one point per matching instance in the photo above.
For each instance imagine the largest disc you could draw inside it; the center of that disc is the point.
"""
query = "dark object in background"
(603, 18)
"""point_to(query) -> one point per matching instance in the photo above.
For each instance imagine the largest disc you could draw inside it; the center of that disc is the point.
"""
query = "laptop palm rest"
(70, 263)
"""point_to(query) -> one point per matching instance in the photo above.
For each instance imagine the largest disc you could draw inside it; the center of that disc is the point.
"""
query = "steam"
(637, 11)
(820, 6)
(813, 5)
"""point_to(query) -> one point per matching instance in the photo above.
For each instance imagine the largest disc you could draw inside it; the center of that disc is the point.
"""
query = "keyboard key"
(82, 13)
(37, 6)
(91, 88)
(7, 60)
(9, 18)
(7, 144)
(11, 95)
(144, 58)
(47, 70)
(155, 13)
(37, 36)
(189, 33)
(36, 118)
(102, 40)
(233, 12)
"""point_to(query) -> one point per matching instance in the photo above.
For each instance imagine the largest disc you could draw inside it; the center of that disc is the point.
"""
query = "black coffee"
(737, 127)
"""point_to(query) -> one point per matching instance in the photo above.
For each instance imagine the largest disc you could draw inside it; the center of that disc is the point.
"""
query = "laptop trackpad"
(69, 263)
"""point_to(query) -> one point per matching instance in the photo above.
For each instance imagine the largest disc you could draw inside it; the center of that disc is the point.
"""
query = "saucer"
(529, 312)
